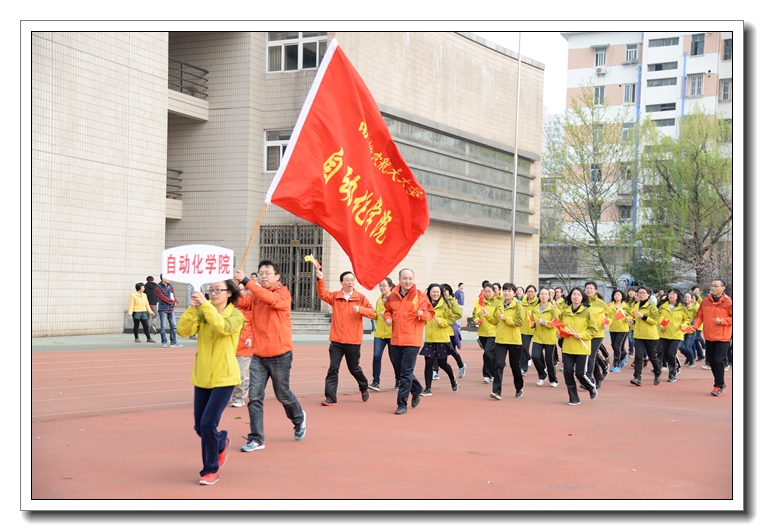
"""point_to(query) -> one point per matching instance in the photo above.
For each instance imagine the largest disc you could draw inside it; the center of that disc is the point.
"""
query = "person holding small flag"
(530, 301)
(646, 320)
(437, 341)
(382, 335)
(544, 338)
(484, 305)
(674, 319)
(601, 314)
(508, 317)
(619, 328)
(687, 345)
(577, 327)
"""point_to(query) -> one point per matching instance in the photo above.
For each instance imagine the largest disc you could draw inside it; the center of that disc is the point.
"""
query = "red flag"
(605, 321)
(342, 171)
(665, 322)
(619, 315)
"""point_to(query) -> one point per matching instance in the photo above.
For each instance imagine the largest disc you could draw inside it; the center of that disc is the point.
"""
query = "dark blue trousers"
(209, 405)
(404, 361)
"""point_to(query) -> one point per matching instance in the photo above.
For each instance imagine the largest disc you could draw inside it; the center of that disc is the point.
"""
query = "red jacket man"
(715, 314)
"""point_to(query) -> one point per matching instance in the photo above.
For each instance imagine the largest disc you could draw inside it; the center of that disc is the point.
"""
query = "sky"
(547, 47)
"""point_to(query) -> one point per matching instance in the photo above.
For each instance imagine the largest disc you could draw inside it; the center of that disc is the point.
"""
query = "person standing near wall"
(151, 295)
(167, 303)
(139, 309)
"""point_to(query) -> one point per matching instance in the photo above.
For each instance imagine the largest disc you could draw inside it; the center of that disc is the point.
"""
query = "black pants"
(499, 362)
(404, 361)
(456, 356)
(576, 365)
(525, 355)
(593, 370)
(488, 344)
(667, 349)
(429, 363)
(352, 354)
(617, 340)
(145, 323)
(543, 360)
(716, 358)
(647, 347)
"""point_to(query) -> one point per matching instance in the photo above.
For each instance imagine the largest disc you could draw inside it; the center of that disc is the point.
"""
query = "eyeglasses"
(716, 285)
(216, 291)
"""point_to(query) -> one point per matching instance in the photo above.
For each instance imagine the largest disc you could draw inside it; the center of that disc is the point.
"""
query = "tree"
(587, 166)
(687, 193)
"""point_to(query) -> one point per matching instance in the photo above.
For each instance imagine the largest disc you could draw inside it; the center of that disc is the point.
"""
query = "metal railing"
(174, 188)
(187, 78)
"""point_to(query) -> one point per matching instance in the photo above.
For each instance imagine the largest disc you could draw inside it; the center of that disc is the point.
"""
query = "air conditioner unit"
(601, 70)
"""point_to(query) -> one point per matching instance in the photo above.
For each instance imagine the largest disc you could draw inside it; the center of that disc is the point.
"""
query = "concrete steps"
(308, 323)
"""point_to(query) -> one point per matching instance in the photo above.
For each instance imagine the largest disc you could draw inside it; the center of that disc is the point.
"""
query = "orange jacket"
(245, 307)
(407, 326)
(347, 326)
(270, 318)
(707, 314)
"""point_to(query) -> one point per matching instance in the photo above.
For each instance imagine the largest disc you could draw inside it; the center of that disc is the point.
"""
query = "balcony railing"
(187, 78)
(174, 188)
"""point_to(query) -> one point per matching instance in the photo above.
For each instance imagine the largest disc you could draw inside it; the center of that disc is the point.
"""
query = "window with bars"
(695, 85)
(670, 41)
(599, 95)
(727, 54)
(275, 146)
(596, 173)
(657, 67)
(658, 107)
(295, 50)
(697, 44)
(624, 212)
(628, 131)
(725, 90)
(667, 122)
(631, 53)
(629, 93)
(663, 82)
(600, 56)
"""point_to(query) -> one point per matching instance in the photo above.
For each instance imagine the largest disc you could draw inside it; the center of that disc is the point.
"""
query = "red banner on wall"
(342, 171)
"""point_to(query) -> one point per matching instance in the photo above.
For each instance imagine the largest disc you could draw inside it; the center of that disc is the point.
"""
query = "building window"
(658, 107)
(663, 82)
(598, 133)
(697, 45)
(600, 54)
(275, 147)
(631, 53)
(625, 172)
(671, 41)
(596, 173)
(657, 67)
(725, 89)
(295, 50)
(629, 93)
(596, 211)
(695, 85)
(668, 122)
(727, 55)
(599, 95)
(628, 132)
(624, 212)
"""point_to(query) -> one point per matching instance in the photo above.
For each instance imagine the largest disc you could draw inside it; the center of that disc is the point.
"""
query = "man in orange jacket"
(406, 310)
(272, 348)
(349, 307)
(715, 314)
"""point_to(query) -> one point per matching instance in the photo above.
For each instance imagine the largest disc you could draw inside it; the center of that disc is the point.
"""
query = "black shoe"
(401, 410)
(599, 384)
(519, 393)
(454, 385)
(657, 380)
(415, 400)
(636, 381)
(374, 386)
(397, 385)
(365, 395)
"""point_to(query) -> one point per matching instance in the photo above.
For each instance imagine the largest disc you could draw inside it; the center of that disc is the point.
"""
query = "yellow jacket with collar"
(545, 334)
(582, 322)
(678, 316)
(508, 329)
(439, 332)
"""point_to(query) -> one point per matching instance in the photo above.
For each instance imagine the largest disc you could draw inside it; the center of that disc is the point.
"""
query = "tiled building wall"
(98, 175)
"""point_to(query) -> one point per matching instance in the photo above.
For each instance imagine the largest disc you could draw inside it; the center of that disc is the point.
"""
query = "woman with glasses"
(673, 313)
(577, 344)
(218, 325)
(437, 341)
(508, 317)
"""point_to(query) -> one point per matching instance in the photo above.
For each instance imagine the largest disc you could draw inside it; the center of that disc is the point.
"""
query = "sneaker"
(657, 380)
(251, 446)
(137, 340)
(223, 456)
(415, 400)
(462, 370)
(149, 340)
(491, 378)
(530, 362)
(678, 370)
(374, 386)
(209, 479)
(328, 402)
(691, 365)
(554, 384)
(426, 392)
(671, 380)
(175, 345)
(164, 345)
(454, 385)
(599, 384)
(401, 410)
(486, 379)
(522, 372)
(519, 393)
(239, 402)
(593, 393)
(727, 368)
(573, 403)
(299, 431)
(717, 391)
(397, 386)
(705, 366)
(435, 375)
(615, 369)
(636, 381)
(664, 369)
(154, 329)
(365, 395)
(495, 396)
(539, 382)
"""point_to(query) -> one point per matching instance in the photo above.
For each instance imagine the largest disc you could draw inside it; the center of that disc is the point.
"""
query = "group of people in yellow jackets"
(545, 318)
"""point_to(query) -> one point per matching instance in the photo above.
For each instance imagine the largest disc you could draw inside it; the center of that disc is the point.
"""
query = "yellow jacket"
(456, 312)
(381, 330)
(599, 310)
(508, 329)
(138, 303)
(582, 322)
(623, 324)
(438, 332)
(527, 329)
(646, 328)
(485, 327)
(545, 334)
(677, 316)
(215, 364)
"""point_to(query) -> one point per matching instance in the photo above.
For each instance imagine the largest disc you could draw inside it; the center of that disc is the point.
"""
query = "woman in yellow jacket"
(217, 323)
(456, 341)
(139, 309)
(530, 301)
(576, 347)
(645, 335)
(619, 328)
(671, 309)
(544, 338)
(687, 345)
(508, 317)
(437, 340)
(382, 334)
(600, 311)
(484, 306)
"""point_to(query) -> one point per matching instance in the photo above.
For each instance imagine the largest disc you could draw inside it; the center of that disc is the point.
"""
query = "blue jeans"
(699, 345)
(687, 347)
(631, 342)
(376, 364)
(164, 317)
(404, 361)
(208, 408)
(277, 368)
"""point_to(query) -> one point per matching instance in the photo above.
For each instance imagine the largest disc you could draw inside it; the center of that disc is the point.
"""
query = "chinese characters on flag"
(343, 172)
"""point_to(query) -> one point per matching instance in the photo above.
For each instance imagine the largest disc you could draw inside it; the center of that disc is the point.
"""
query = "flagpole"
(251, 238)
(514, 187)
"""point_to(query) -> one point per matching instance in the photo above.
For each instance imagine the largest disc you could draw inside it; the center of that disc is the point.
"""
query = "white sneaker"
(462, 370)
(435, 375)
(486, 379)
(237, 403)
(540, 383)
(554, 384)
(530, 362)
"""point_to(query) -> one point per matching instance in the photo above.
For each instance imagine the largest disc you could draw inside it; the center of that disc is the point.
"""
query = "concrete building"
(145, 141)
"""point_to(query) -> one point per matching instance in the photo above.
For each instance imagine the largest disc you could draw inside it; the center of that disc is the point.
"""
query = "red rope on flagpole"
(251, 239)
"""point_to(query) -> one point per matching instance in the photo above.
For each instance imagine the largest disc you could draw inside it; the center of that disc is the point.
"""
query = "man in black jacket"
(150, 290)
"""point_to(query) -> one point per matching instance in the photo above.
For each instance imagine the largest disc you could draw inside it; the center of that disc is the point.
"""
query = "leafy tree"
(687, 193)
(585, 171)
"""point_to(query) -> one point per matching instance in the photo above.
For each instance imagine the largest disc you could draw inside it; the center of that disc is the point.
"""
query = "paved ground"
(112, 422)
